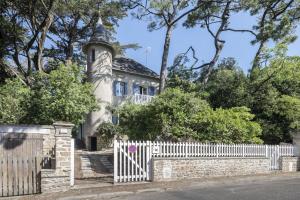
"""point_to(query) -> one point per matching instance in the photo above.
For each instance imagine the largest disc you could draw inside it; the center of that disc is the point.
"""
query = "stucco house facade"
(116, 79)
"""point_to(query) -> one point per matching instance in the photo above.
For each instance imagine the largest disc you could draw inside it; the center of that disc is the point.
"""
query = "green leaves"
(61, 96)
(176, 115)
(58, 96)
(14, 99)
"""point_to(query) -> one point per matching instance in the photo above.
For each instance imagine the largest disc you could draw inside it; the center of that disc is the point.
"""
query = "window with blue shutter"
(151, 91)
(115, 120)
(120, 88)
(136, 89)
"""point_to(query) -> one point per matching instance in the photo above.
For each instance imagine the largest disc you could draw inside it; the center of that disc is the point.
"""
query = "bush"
(60, 95)
(106, 132)
(233, 125)
(14, 99)
(175, 115)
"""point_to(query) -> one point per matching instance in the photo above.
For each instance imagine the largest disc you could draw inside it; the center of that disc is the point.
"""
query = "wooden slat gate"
(132, 161)
(20, 164)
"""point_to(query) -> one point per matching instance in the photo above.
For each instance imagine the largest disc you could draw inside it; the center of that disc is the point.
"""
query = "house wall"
(172, 169)
(131, 79)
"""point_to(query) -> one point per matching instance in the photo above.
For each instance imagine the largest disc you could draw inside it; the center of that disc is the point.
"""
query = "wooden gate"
(20, 164)
(132, 161)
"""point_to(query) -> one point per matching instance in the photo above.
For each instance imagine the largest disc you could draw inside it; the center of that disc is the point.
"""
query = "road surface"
(263, 190)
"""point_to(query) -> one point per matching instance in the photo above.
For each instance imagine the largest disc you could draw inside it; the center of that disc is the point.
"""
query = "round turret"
(99, 53)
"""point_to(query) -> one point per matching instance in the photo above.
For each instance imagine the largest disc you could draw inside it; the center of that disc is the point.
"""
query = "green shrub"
(175, 115)
(14, 100)
(106, 132)
(61, 96)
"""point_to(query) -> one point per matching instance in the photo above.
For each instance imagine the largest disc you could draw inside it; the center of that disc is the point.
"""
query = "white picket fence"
(133, 158)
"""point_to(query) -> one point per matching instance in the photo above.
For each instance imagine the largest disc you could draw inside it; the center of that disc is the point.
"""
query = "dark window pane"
(93, 55)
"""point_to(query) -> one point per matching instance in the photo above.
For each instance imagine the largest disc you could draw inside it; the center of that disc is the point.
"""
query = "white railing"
(181, 149)
(132, 158)
(141, 98)
(136, 98)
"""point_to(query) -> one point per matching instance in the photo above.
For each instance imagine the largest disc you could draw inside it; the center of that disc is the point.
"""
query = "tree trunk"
(256, 60)
(69, 53)
(41, 42)
(164, 62)
(213, 62)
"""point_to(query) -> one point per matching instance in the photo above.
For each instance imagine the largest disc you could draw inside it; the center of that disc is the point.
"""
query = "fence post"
(72, 175)
(148, 160)
(217, 151)
(115, 161)
(266, 150)
(185, 144)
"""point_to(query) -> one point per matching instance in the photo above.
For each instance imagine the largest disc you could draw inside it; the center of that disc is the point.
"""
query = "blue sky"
(237, 45)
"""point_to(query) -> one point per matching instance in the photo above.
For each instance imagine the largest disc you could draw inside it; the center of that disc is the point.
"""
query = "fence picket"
(135, 166)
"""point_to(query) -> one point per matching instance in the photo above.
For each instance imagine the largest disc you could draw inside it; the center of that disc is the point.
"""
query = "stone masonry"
(290, 164)
(58, 179)
(171, 169)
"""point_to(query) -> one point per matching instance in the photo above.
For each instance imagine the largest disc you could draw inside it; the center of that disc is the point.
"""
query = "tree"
(14, 101)
(166, 117)
(60, 96)
(213, 14)
(273, 92)
(164, 14)
(227, 86)
(234, 125)
(277, 20)
(75, 21)
(25, 26)
(179, 116)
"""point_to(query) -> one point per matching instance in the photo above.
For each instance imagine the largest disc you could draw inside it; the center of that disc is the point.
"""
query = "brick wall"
(290, 164)
(171, 169)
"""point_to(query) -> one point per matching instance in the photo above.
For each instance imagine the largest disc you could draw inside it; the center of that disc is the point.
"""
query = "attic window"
(93, 55)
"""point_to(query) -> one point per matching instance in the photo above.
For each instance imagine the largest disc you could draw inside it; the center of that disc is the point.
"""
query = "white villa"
(116, 79)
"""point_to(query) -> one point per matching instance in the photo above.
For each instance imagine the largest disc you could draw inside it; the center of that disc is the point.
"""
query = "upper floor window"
(137, 89)
(93, 55)
(120, 88)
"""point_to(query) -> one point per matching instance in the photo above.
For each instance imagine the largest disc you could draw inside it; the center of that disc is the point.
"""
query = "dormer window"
(93, 55)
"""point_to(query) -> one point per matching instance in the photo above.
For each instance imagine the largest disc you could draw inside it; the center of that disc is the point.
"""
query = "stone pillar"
(63, 135)
(58, 179)
(296, 142)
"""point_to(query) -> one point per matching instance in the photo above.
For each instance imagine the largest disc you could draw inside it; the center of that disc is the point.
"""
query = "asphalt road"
(263, 190)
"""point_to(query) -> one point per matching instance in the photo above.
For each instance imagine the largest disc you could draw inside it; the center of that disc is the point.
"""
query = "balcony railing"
(140, 98)
(136, 98)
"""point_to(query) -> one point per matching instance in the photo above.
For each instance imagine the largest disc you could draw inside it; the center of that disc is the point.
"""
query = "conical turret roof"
(101, 36)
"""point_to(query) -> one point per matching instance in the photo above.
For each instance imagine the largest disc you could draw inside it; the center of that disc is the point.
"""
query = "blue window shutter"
(135, 89)
(114, 88)
(115, 120)
(125, 89)
(151, 91)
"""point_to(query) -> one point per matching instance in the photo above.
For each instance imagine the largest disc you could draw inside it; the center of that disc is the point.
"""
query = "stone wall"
(56, 164)
(290, 164)
(58, 179)
(172, 169)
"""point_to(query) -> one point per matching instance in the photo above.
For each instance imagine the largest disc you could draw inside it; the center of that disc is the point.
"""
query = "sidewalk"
(100, 191)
